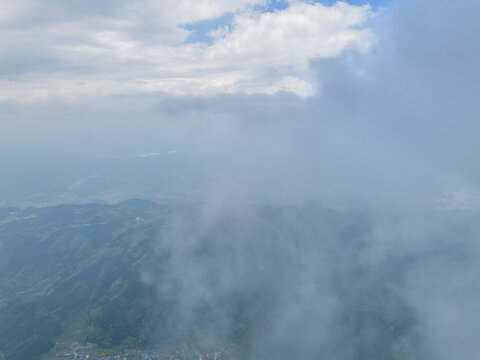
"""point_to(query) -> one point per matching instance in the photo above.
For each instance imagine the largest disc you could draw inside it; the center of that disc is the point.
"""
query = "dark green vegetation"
(73, 271)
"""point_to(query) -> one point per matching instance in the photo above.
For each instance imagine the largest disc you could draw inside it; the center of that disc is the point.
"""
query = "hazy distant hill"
(47, 180)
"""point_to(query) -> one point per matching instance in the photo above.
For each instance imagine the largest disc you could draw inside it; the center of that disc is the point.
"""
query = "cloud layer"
(399, 119)
(89, 49)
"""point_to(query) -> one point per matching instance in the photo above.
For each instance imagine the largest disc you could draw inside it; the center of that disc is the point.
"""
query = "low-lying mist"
(259, 281)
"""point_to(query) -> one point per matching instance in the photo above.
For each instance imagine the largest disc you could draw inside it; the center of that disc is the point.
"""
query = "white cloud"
(138, 47)
(289, 84)
(290, 38)
(462, 199)
(149, 155)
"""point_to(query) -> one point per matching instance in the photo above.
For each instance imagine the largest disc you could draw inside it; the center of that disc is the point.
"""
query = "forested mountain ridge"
(255, 281)
(73, 270)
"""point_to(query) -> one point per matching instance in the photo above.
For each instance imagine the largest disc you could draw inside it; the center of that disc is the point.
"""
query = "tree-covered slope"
(73, 270)
(252, 281)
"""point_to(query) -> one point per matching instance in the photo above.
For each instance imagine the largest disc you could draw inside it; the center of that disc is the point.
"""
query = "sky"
(376, 97)
(248, 46)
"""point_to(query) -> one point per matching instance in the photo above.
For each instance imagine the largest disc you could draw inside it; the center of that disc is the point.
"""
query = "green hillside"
(72, 272)
(258, 281)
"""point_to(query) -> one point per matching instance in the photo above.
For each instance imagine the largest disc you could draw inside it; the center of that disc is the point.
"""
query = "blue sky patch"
(375, 4)
(199, 32)
(274, 5)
